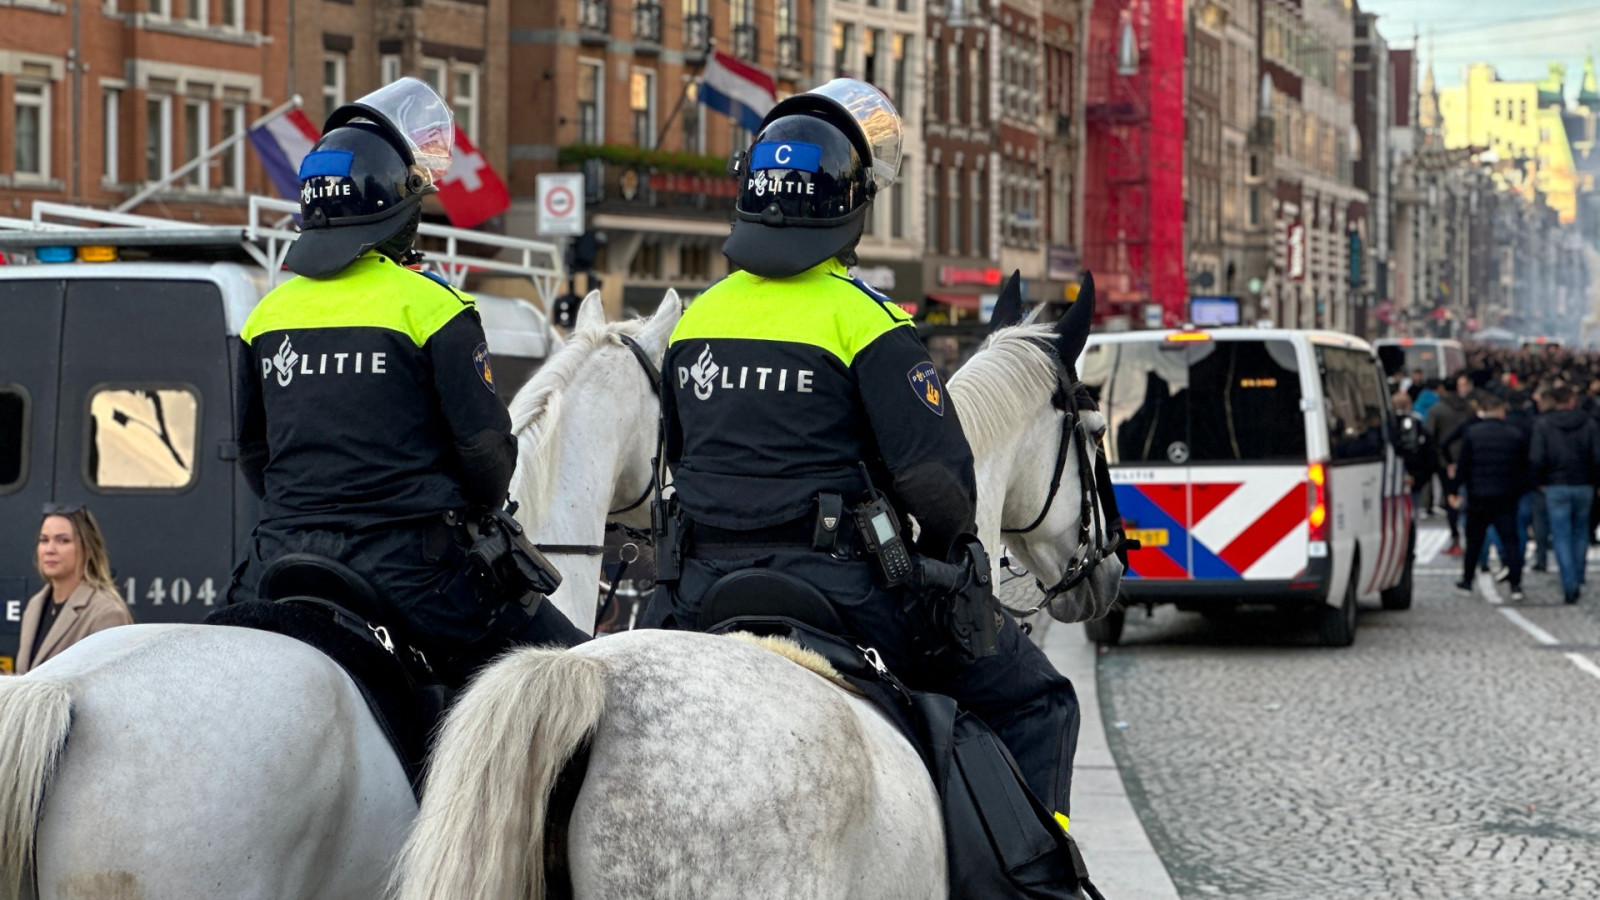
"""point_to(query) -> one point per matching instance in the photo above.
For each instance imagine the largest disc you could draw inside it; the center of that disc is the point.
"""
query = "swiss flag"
(471, 191)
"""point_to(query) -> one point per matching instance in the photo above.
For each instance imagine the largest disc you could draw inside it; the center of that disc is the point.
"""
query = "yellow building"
(1517, 120)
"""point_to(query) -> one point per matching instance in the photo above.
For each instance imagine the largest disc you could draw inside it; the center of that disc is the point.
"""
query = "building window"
(591, 97)
(333, 83)
(844, 37)
(953, 197)
(871, 56)
(974, 86)
(642, 101)
(953, 72)
(389, 68)
(158, 137)
(142, 437)
(694, 124)
(111, 111)
(32, 129)
(433, 75)
(464, 99)
(900, 52)
(195, 11)
(233, 157)
(156, 8)
(979, 213)
(196, 138)
(939, 104)
(935, 178)
(233, 14)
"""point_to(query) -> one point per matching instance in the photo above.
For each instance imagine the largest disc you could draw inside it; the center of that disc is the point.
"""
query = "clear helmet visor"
(418, 115)
(879, 122)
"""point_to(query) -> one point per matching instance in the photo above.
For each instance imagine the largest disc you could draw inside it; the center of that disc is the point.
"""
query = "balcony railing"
(647, 22)
(697, 34)
(746, 44)
(789, 53)
(594, 15)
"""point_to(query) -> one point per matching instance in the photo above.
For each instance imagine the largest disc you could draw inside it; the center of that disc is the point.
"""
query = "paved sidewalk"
(1121, 861)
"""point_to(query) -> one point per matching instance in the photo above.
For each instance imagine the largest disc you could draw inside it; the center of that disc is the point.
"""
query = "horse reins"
(1094, 480)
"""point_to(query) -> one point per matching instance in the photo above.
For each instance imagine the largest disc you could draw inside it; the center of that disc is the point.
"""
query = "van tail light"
(1317, 502)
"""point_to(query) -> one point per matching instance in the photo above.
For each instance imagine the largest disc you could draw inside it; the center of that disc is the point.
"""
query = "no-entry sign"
(561, 204)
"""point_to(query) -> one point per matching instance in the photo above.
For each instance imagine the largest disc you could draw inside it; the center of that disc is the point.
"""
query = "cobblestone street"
(1452, 752)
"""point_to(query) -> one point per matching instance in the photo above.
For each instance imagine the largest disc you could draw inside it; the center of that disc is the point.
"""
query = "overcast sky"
(1519, 37)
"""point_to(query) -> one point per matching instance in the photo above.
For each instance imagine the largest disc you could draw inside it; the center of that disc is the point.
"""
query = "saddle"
(1000, 840)
(329, 606)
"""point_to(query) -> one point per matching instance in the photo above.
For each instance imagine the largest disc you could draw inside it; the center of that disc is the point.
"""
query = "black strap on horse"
(1094, 480)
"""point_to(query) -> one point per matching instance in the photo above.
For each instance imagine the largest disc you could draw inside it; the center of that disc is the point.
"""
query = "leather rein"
(1094, 480)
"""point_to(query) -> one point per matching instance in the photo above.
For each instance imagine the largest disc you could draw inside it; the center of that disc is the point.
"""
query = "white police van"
(118, 341)
(1439, 358)
(1255, 466)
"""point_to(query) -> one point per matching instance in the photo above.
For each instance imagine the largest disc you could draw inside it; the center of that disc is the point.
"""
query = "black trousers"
(1017, 692)
(1501, 512)
(421, 575)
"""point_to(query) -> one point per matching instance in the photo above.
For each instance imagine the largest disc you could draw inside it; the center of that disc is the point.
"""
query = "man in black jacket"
(1444, 418)
(1492, 469)
(1566, 465)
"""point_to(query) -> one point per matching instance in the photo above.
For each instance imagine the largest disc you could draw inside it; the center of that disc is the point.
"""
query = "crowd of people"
(1508, 450)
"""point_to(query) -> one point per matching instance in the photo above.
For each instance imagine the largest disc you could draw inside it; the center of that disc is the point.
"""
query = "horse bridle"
(1094, 480)
(653, 374)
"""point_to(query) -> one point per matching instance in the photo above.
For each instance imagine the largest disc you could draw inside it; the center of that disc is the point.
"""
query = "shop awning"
(959, 301)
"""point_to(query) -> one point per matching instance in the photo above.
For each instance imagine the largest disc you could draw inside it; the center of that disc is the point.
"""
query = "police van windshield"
(1198, 402)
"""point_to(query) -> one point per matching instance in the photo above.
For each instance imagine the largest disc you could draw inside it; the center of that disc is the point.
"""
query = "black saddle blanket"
(406, 713)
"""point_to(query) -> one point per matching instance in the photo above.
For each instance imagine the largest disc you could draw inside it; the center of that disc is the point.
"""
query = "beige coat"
(88, 610)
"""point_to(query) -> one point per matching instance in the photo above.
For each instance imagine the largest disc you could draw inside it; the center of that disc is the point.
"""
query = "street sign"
(560, 204)
(1297, 251)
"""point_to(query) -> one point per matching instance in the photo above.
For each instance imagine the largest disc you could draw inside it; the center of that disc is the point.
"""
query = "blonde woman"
(79, 597)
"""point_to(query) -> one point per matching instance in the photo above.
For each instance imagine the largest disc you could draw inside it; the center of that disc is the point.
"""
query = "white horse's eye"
(1096, 423)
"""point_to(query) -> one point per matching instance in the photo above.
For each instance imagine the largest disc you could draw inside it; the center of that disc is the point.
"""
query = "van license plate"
(1149, 537)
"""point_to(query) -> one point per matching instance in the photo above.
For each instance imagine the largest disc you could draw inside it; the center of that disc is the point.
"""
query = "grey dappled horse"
(720, 770)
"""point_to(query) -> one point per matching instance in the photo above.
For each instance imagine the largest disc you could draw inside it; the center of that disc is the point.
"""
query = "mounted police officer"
(798, 395)
(369, 421)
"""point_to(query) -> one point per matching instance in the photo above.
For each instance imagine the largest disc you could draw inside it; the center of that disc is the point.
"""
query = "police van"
(1437, 357)
(1255, 466)
(118, 340)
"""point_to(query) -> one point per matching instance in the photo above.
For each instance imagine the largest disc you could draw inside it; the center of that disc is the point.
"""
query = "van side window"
(13, 436)
(1353, 406)
(1143, 388)
(142, 437)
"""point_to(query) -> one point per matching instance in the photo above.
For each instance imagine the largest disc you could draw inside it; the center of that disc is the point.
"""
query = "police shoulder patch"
(480, 359)
(925, 384)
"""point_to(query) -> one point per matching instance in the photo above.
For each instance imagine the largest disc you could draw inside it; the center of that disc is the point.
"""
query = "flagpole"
(191, 165)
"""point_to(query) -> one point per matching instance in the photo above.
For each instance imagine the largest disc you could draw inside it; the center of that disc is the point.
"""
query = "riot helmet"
(809, 178)
(361, 186)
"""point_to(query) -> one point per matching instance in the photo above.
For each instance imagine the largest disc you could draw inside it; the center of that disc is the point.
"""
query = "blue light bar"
(55, 254)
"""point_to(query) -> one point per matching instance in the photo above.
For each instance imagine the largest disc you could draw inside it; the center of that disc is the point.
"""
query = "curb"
(1122, 862)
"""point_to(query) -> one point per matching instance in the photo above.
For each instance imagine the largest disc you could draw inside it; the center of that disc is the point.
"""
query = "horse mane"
(1016, 364)
(536, 409)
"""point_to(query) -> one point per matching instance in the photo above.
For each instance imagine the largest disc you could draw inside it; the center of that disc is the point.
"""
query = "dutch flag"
(282, 143)
(737, 90)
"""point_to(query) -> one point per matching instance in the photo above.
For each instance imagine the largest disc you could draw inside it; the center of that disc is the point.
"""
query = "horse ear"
(1072, 331)
(591, 314)
(658, 328)
(1008, 308)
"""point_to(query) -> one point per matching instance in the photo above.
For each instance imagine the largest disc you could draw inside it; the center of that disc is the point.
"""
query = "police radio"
(879, 529)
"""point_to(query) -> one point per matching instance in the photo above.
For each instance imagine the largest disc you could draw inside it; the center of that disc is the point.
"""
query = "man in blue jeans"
(1565, 455)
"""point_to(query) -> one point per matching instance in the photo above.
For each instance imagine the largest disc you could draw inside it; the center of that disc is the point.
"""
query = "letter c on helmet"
(783, 154)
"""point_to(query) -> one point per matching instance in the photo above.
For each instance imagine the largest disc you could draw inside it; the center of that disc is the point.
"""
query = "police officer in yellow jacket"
(369, 421)
(788, 376)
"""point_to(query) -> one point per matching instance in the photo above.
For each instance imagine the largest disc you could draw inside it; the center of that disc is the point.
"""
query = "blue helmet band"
(786, 155)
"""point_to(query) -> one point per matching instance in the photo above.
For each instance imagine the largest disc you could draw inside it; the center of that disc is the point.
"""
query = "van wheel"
(1107, 629)
(1399, 596)
(1337, 625)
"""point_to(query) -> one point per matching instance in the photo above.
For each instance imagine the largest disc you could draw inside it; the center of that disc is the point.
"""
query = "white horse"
(180, 761)
(719, 770)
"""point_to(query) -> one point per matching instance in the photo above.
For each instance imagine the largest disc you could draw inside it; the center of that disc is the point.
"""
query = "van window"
(142, 437)
(13, 436)
(1204, 402)
(1353, 407)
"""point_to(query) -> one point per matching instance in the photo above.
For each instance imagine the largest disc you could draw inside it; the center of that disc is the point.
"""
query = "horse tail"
(35, 717)
(481, 829)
